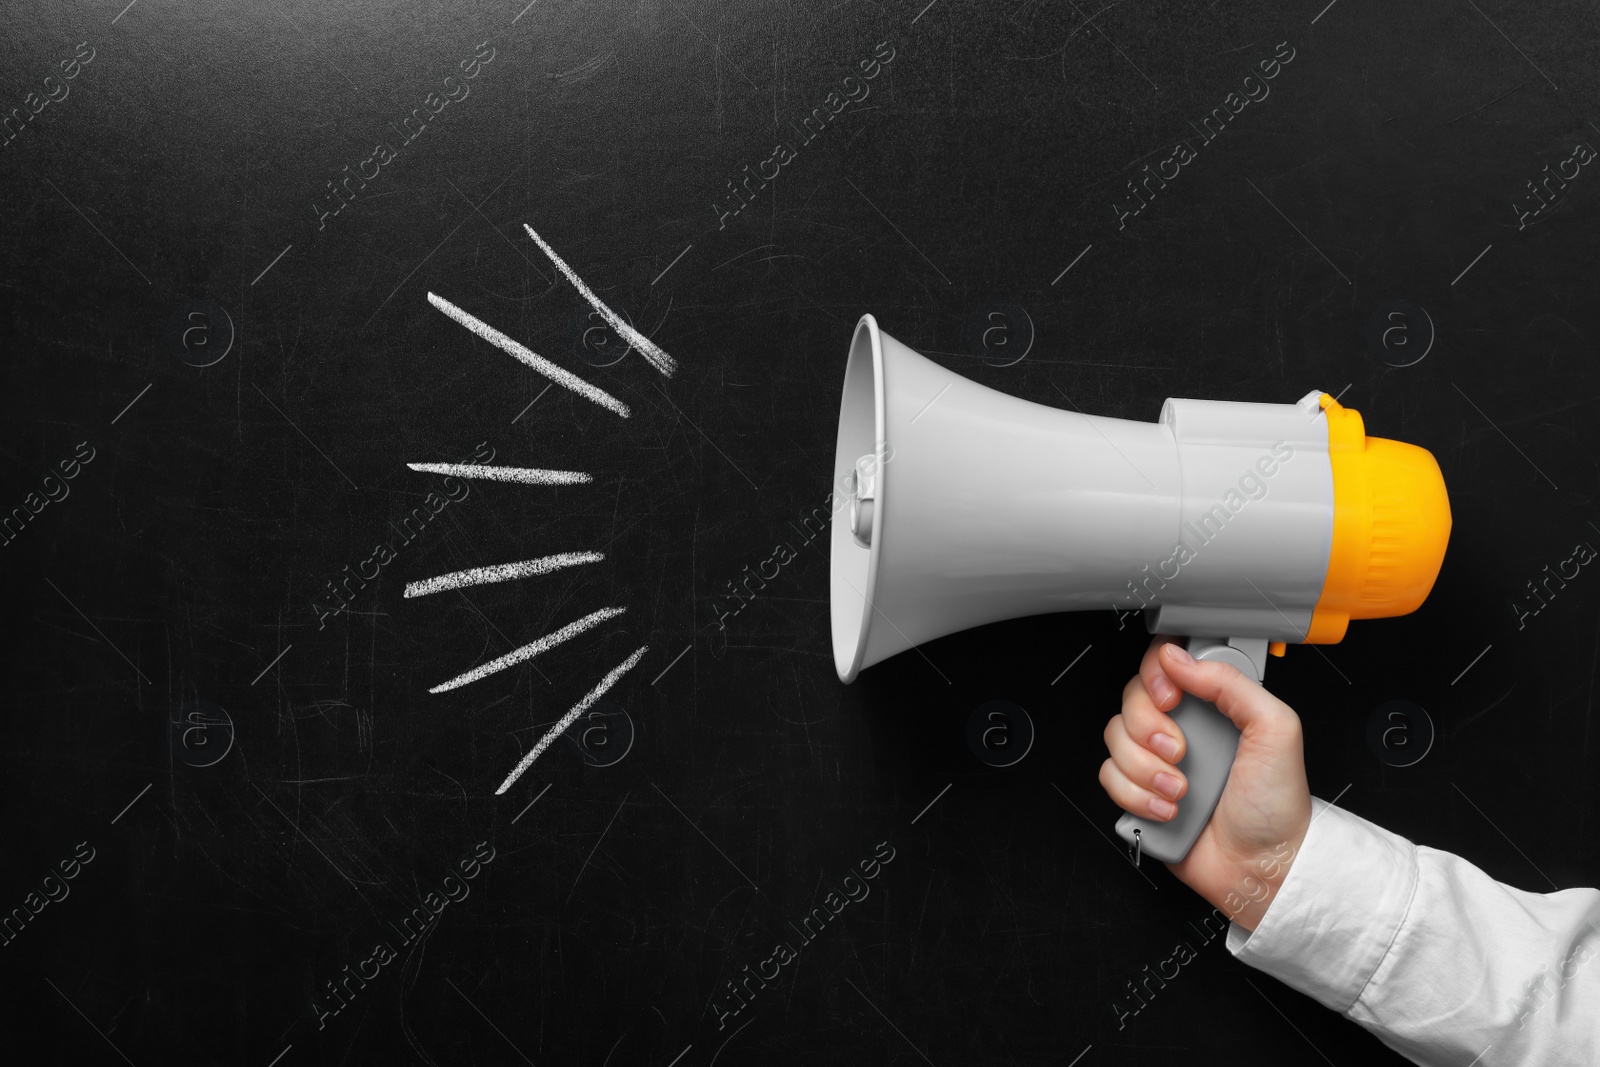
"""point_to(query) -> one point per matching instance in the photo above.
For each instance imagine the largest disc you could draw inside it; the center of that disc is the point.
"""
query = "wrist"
(1249, 881)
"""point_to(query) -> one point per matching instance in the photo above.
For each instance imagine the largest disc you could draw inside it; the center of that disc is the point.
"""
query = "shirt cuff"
(1338, 911)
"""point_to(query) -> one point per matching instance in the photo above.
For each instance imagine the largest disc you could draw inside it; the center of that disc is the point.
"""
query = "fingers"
(1162, 692)
(1141, 767)
(1237, 696)
(1131, 798)
(1146, 724)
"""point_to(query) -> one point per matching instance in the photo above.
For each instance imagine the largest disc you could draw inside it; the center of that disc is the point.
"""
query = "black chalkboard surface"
(262, 258)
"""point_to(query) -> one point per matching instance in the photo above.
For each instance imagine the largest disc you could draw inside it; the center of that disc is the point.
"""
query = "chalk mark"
(522, 475)
(561, 377)
(572, 716)
(529, 650)
(501, 572)
(465, 599)
(647, 348)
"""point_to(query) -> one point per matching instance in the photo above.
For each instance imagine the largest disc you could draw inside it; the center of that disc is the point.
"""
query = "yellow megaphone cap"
(1391, 522)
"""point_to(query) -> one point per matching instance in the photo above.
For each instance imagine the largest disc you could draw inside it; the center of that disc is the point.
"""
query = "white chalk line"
(571, 717)
(532, 359)
(530, 650)
(501, 572)
(525, 475)
(647, 348)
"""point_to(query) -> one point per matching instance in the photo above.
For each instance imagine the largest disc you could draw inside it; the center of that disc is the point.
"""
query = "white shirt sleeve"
(1444, 964)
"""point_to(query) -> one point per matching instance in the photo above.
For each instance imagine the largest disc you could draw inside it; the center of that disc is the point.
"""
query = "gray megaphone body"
(1241, 526)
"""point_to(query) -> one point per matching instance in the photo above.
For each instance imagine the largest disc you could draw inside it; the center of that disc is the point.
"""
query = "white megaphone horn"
(1240, 526)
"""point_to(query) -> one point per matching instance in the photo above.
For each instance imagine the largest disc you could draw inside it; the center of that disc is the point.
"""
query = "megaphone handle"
(1212, 740)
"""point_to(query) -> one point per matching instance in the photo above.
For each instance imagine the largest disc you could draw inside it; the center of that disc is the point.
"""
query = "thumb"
(1241, 698)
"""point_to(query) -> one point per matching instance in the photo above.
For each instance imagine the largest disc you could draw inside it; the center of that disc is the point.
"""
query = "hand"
(1242, 856)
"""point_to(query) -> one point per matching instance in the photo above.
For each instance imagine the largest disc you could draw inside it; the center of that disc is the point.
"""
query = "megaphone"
(1241, 526)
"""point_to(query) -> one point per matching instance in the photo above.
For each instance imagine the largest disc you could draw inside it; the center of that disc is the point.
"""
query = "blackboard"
(223, 224)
